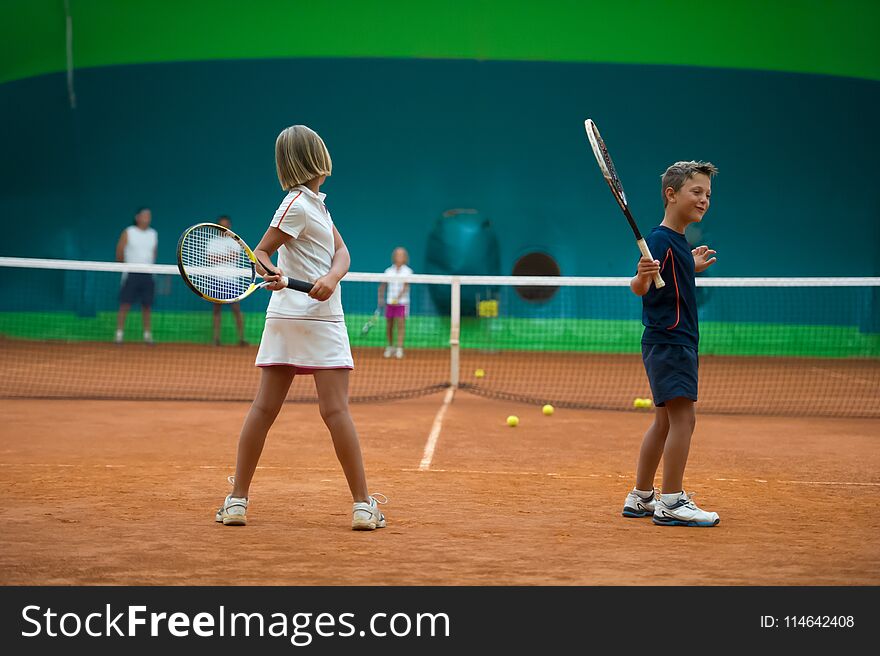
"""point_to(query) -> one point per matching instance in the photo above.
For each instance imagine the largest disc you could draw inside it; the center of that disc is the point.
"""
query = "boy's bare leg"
(274, 384)
(652, 450)
(332, 387)
(682, 420)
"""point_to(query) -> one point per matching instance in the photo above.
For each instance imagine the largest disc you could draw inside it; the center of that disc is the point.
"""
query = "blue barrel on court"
(462, 242)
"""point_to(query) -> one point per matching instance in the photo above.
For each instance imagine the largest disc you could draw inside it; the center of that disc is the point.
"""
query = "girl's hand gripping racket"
(607, 168)
(220, 267)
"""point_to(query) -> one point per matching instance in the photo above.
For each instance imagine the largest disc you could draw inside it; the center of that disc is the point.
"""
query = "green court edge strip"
(811, 36)
(501, 334)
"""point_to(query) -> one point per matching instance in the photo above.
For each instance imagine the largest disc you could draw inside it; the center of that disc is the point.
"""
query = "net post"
(454, 331)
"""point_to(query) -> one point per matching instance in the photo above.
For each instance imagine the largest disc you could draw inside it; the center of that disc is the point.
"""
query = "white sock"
(119, 333)
(670, 498)
(643, 493)
(148, 335)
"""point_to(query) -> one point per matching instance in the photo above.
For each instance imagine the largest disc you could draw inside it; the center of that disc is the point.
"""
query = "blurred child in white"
(396, 301)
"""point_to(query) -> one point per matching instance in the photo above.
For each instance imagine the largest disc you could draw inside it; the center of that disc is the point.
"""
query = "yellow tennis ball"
(479, 373)
(512, 420)
(637, 403)
(547, 409)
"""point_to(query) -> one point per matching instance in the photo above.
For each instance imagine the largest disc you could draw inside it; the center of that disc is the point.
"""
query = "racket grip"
(643, 247)
(298, 285)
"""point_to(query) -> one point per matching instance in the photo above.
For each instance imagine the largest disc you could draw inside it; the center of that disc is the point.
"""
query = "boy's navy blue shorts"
(672, 371)
(137, 288)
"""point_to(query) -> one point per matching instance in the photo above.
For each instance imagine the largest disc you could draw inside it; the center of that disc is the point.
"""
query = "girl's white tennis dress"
(300, 331)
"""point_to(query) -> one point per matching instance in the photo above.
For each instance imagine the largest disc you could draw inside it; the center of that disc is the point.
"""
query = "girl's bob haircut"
(300, 156)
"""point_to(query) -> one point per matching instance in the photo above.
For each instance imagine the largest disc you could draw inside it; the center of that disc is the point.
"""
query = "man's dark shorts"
(137, 288)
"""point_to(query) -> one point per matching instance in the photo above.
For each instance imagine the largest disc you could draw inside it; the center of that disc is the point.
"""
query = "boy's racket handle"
(298, 285)
(643, 247)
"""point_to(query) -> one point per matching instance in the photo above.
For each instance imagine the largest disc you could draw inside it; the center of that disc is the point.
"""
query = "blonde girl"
(303, 334)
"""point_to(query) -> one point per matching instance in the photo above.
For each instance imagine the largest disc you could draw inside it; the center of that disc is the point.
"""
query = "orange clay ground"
(118, 492)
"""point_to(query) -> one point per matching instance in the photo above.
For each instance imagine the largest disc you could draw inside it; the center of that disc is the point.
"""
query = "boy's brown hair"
(680, 172)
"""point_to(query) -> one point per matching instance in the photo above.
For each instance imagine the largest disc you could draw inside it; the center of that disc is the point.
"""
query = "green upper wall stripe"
(833, 37)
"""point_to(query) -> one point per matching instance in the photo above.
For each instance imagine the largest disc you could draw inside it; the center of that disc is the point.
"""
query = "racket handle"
(643, 247)
(298, 285)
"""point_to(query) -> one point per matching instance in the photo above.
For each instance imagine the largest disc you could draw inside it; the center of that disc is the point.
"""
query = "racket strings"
(216, 264)
(603, 157)
(608, 166)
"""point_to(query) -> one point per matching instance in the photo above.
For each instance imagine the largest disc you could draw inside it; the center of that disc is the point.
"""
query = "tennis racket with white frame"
(220, 267)
(607, 168)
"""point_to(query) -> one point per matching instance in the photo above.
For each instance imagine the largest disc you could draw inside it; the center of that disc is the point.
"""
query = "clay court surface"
(124, 492)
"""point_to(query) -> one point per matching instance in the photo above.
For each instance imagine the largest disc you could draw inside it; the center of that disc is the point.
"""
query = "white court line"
(38, 464)
(834, 374)
(434, 435)
(482, 472)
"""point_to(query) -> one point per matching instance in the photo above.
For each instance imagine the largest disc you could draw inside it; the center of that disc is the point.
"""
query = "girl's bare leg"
(332, 386)
(401, 330)
(274, 384)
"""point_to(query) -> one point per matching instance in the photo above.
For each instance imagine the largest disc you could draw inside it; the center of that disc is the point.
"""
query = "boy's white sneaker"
(366, 516)
(683, 512)
(398, 353)
(638, 506)
(389, 351)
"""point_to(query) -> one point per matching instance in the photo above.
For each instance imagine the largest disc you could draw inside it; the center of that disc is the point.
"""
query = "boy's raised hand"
(702, 258)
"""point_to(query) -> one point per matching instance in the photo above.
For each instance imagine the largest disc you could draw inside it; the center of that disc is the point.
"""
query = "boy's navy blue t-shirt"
(670, 314)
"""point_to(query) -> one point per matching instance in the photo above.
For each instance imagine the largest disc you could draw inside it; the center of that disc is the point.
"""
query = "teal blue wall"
(412, 138)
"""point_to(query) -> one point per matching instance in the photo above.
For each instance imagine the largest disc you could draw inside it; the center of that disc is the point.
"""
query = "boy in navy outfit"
(670, 347)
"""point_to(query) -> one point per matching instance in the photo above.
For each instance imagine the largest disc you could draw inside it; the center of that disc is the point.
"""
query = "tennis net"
(785, 346)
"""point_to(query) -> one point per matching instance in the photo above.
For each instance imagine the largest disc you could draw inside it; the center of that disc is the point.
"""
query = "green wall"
(833, 37)
(413, 138)
(427, 109)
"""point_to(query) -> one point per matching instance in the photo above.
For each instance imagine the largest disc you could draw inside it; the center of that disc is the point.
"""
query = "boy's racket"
(371, 322)
(607, 168)
(219, 267)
